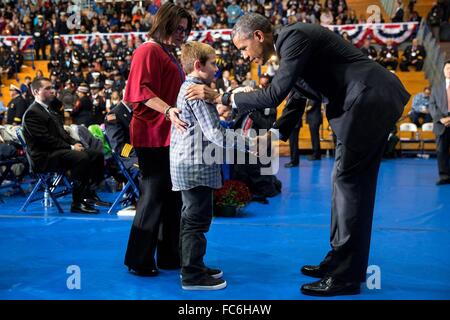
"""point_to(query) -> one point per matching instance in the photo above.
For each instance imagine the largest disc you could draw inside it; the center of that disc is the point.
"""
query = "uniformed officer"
(414, 55)
(16, 107)
(82, 110)
(369, 50)
(389, 56)
(117, 124)
(98, 103)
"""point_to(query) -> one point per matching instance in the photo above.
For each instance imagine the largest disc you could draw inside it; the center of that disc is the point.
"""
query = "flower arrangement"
(233, 193)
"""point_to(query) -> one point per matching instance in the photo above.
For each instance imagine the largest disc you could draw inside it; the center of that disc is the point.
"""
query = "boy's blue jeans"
(196, 216)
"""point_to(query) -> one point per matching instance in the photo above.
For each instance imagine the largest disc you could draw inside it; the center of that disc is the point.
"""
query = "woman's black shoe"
(144, 272)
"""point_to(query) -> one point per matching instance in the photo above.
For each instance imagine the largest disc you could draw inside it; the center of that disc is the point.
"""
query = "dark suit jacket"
(438, 107)
(365, 100)
(43, 134)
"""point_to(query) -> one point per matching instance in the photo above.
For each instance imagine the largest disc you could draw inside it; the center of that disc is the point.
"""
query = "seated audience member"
(389, 56)
(16, 107)
(249, 82)
(51, 149)
(369, 50)
(117, 125)
(414, 55)
(419, 110)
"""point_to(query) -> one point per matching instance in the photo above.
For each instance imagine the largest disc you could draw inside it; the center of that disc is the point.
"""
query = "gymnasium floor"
(260, 251)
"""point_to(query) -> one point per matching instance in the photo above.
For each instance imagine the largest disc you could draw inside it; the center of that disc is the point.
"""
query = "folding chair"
(428, 139)
(409, 136)
(48, 181)
(130, 187)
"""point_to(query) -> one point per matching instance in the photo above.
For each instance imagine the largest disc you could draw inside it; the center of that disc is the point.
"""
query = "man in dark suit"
(440, 112)
(364, 102)
(51, 148)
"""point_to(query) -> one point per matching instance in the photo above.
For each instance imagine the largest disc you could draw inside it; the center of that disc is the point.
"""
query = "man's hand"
(202, 92)
(174, 116)
(78, 147)
(445, 121)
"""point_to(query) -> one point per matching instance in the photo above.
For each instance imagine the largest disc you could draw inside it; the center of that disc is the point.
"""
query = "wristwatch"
(226, 98)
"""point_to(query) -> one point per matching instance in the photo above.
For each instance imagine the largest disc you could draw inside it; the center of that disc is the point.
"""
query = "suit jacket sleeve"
(292, 113)
(295, 49)
(37, 127)
(434, 108)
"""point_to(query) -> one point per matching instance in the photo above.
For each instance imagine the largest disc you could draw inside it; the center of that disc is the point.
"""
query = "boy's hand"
(174, 116)
(202, 92)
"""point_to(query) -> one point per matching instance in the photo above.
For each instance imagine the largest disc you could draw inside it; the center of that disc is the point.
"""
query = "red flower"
(233, 193)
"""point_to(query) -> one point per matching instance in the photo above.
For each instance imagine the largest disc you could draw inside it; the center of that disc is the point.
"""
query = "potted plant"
(232, 196)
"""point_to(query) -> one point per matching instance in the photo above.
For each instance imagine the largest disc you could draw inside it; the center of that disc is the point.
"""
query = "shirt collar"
(195, 80)
(447, 82)
(42, 104)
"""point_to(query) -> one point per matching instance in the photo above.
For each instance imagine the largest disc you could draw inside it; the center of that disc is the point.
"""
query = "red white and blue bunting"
(379, 32)
(398, 32)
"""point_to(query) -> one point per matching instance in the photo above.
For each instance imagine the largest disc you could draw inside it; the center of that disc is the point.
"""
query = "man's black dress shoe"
(291, 164)
(144, 272)
(96, 201)
(82, 207)
(313, 271)
(443, 181)
(329, 286)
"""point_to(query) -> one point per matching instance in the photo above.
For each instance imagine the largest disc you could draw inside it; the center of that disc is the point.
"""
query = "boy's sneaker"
(205, 283)
(215, 273)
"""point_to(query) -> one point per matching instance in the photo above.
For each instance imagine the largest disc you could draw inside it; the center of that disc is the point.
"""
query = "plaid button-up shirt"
(196, 155)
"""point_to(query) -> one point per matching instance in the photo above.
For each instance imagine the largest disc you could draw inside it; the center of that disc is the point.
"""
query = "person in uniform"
(389, 56)
(414, 55)
(16, 107)
(369, 50)
(82, 110)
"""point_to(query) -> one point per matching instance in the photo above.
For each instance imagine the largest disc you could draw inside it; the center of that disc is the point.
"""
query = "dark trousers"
(443, 154)
(156, 225)
(196, 216)
(415, 116)
(86, 168)
(393, 64)
(314, 130)
(293, 144)
(405, 63)
(354, 184)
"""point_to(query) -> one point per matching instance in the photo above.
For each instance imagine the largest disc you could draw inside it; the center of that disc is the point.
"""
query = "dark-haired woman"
(152, 89)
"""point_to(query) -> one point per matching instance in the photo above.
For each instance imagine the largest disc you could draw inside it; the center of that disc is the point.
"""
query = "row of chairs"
(52, 185)
(413, 139)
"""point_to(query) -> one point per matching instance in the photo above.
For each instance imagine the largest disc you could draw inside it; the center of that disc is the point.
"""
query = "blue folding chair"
(130, 188)
(54, 184)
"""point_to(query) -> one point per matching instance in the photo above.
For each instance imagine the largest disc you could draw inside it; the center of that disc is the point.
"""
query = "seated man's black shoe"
(152, 272)
(313, 271)
(291, 165)
(443, 181)
(83, 207)
(329, 286)
(96, 201)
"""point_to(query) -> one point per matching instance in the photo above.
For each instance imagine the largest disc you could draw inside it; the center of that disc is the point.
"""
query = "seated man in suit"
(52, 149)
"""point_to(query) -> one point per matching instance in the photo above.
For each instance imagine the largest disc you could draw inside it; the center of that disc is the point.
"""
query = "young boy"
(195, 176)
